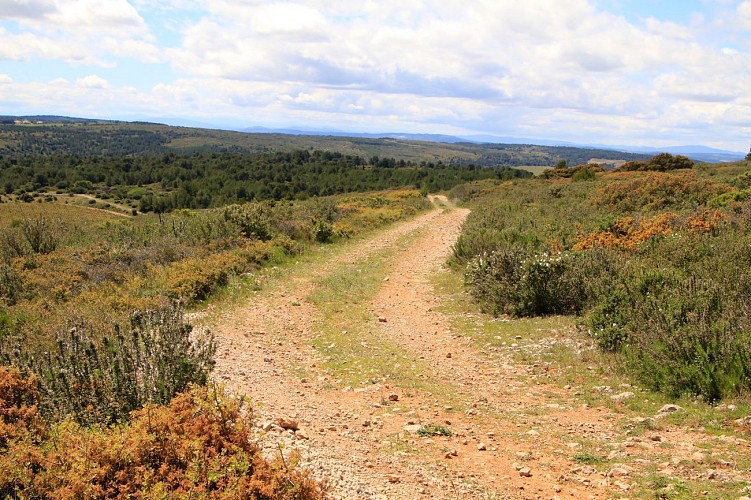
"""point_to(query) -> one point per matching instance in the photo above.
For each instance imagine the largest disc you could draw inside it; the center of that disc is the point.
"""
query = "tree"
(664, 162)
(748, 156)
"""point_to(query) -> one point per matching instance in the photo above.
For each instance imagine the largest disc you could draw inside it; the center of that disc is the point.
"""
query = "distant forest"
(57, 136)
(201, 180)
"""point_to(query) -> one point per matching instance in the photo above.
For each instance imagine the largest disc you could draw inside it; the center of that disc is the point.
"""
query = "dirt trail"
(511, 437)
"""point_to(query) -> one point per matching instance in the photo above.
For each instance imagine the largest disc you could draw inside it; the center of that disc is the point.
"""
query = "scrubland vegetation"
(105, 388)
(91, 319)
(654, 258)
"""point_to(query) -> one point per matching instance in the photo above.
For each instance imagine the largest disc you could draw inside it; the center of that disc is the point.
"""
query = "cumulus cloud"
(26, 9)
(93, 82)
(90, 32)
(744, 12)
(484, 66)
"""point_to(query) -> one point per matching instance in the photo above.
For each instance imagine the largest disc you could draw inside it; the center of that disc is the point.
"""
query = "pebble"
(669, 408)
(287, 424)
(525, 472)
(482, 447)
(622, 396)
(618, 471)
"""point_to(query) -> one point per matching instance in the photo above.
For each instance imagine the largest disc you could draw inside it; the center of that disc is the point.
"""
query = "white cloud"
(92, 32)
(744, 12)
(488, 66)
(5, 79)
(95, 14)
(93, 82)
(26, 9)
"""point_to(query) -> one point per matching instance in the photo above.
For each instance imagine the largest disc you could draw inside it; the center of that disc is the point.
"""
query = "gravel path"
(512, 436)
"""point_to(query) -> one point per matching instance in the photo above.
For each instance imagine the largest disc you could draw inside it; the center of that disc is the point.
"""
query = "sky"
(620, 72)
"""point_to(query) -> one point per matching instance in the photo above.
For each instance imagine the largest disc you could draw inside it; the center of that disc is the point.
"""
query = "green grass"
(588, 459)
(15, 211)
(434, 430)
(356, 351)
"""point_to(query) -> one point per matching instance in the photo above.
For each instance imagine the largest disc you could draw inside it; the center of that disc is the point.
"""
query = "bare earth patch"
(467, 422)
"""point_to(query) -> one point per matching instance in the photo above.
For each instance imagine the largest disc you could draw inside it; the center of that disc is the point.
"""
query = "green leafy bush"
(521, 283)
(667, 292)
(41, 233)
(254, 219)
(680, 332)
(94, 381)
(11, 285)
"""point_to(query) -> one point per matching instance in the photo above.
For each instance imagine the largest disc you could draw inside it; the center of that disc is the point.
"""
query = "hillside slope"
(91, 138)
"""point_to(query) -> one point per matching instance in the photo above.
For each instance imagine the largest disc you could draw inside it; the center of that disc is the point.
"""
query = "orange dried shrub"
(21, 429)
(18, 406)
(706, 221)
(628, 233)
(658, 190)
(197, 447)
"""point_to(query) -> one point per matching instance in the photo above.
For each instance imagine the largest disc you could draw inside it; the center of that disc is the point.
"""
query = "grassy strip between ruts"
(356, 352)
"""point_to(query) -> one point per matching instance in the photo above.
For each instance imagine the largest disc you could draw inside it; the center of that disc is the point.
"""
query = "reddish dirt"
(513, 436)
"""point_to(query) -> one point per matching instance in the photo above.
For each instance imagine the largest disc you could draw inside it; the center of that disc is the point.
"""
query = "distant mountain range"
(695, 152)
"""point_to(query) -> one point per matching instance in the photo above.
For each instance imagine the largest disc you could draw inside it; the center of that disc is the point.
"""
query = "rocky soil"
(514, 433)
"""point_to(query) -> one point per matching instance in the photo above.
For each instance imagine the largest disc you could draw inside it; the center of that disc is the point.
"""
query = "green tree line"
(201, 180)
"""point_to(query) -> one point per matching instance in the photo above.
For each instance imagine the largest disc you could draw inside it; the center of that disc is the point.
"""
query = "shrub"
(515, 282)
(323, 231)
(657, 190)
(91, 381)
(254, 219)
(682, 331)
(195, 278)
(578, 173)
(628, 233)
(662, 162)
(41, 233)
(197, 447)
(12, 244)
(18, 409)
(11, 285)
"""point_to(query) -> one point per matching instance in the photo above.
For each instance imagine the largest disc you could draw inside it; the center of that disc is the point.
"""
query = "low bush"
(253, 219)
(11, 285)
(512, 281)
(197, 447)
(662, 162)
(655, 262)
(195, 278)
(680, 334)
(656, 191)
(95, 378)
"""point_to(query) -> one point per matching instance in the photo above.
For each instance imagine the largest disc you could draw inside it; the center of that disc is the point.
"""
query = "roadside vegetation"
(97, 348)
(652, 258)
